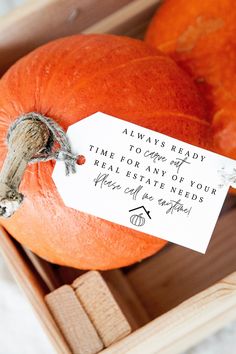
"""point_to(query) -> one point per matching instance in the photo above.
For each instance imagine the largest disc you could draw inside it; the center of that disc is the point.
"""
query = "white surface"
(20, 331)
(222, 342)
(7, 5)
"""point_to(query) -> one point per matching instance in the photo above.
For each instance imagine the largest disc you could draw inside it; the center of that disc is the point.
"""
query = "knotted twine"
(56, 134)
(64, 153)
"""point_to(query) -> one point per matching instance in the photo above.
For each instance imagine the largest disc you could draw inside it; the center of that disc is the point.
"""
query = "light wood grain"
(30, 283)
(101, 307)
(73, 321)
(44, 269)
(121, 289)
(185, 325)
(126, 298)
(129, 20)
(41, 21)
(177, 273)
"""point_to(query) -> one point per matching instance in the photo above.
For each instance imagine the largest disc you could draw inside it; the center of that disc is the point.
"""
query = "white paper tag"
(144, 180)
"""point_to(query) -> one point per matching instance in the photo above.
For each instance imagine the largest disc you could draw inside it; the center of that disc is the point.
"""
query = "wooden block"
(179, 329)
(73, 321)
(177, 273)
(126, 298)
(101, 307)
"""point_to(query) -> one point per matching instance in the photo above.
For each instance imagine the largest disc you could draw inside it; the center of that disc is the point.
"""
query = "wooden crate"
(173, 299)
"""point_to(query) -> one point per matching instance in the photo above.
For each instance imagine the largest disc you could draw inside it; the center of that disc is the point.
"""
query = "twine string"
(64, 152)
(57, 134)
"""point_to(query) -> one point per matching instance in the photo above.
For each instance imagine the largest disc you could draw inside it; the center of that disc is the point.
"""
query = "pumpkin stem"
(28, 138)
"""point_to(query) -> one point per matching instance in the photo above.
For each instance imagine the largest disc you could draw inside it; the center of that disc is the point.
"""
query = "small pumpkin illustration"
(137, 219)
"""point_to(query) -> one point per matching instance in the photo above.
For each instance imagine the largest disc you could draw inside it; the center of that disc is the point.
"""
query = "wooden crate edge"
(186, 324)
(32, 288)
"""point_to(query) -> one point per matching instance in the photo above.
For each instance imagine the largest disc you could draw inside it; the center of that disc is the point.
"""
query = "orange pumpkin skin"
(201, 37)
(72, 78)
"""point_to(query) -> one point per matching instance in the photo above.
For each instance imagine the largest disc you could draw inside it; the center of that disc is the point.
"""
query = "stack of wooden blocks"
(87, 314)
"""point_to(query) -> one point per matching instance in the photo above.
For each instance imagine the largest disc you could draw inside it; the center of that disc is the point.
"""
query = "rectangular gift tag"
(145, 180)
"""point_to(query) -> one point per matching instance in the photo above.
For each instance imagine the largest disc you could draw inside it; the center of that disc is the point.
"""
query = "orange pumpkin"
(72, 78)
(201, 37)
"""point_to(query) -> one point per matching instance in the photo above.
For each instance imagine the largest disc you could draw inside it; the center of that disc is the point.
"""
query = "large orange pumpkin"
(201, 37)
(67, 80)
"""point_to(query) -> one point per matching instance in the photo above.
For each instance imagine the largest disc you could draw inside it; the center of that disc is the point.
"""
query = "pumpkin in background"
(201, 37)
(72, 78)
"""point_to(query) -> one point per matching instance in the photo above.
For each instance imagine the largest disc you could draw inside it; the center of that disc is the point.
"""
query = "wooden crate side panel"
(30, 283)
(44, 269)
(177, 273)
(185, 325)
(41, 21)
(130, 20)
